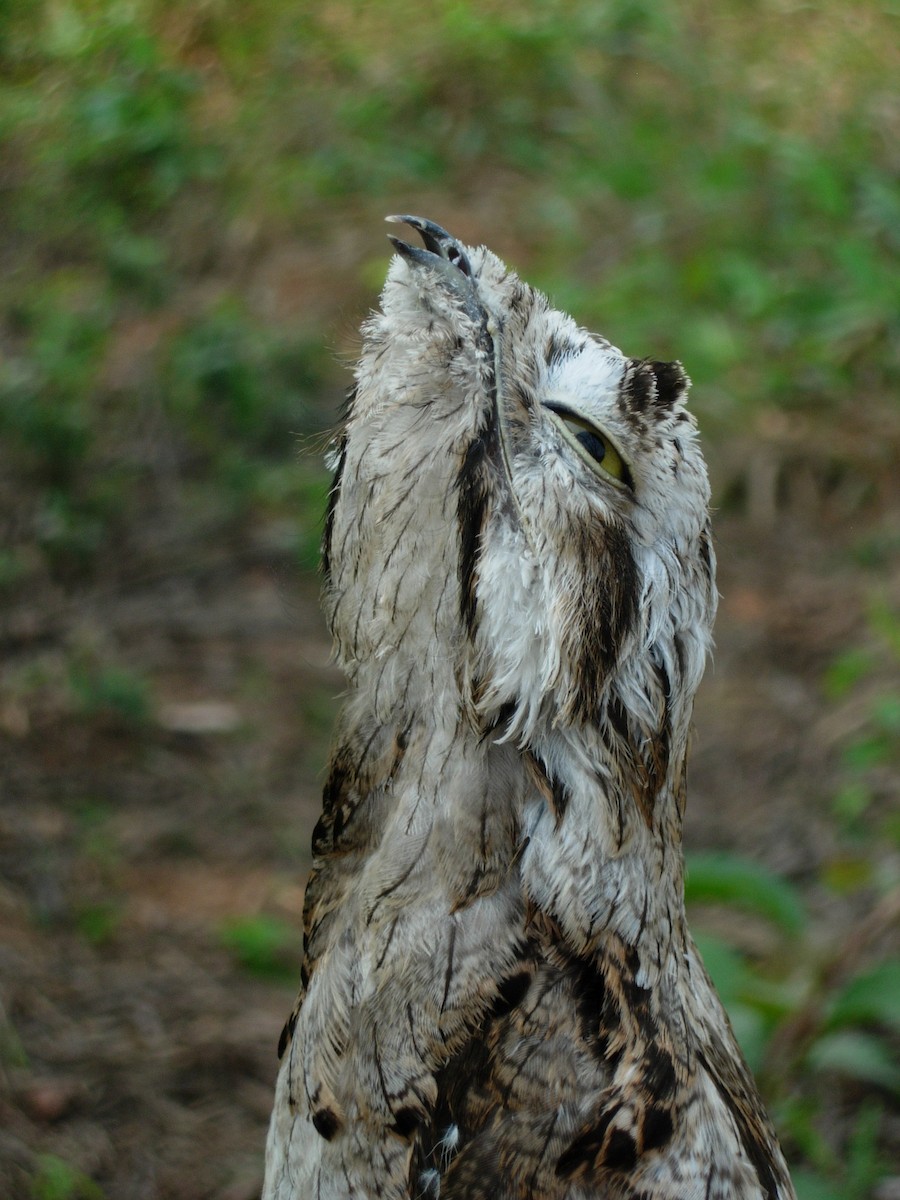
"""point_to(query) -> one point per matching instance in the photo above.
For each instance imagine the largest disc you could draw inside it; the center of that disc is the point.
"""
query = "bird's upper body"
(500, 997)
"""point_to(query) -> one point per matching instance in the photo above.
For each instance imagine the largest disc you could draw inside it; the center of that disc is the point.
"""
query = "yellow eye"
(590, 443)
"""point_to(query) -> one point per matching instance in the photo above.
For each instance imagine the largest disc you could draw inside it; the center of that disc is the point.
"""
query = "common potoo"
(500, 998)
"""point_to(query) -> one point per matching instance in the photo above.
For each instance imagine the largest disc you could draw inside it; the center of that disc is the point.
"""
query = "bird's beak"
(441, 248)
(447, 259)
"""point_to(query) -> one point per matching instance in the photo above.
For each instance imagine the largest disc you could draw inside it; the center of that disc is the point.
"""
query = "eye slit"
(592, 445)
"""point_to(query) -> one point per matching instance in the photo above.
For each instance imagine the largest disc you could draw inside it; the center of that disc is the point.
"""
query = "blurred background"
(191, 204)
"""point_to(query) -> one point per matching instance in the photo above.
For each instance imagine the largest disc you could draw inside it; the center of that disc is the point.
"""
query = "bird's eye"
(590, 443)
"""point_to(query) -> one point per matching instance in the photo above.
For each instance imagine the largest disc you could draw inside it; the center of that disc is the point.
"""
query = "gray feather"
(500, 995)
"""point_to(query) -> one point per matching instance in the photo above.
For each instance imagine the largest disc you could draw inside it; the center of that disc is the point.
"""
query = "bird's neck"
(604, 855)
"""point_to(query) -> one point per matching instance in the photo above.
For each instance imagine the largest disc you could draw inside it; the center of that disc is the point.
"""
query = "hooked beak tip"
(438, 243)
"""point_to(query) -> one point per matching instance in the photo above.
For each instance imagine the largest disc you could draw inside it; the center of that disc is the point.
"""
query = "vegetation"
(720, 189)
(56, 1180)
(814, 1017)
(192, 194)
(263, 945)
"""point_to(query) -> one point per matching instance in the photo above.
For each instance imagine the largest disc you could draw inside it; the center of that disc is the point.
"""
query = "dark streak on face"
(603, 620)
(473, 493)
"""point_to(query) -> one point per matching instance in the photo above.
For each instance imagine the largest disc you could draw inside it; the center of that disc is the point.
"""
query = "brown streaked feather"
(499, 996)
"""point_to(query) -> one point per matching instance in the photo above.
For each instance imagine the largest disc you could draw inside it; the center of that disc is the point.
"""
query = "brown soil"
(133, 1043)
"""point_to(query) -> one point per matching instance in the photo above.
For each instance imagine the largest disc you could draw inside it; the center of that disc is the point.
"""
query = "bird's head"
(520, 500)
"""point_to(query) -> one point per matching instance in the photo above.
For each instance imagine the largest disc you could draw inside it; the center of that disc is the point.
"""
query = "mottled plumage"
(500, 998)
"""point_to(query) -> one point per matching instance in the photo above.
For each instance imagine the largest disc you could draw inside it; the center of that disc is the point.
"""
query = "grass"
(56, 1179)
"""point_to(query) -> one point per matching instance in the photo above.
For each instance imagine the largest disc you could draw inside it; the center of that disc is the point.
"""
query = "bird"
(500, 998)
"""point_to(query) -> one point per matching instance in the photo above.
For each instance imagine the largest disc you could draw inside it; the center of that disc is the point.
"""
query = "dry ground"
(136, 1047)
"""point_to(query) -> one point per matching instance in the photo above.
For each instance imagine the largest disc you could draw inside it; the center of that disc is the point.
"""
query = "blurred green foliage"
(725, 879)
(720, 188)
(55, 1179)
(818, 1020)
(109, 691)
(713, 184)
(263, 945)
(863, 680)
(806, 1024)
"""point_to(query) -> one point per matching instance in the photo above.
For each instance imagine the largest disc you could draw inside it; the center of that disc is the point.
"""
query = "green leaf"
(890, 829)
(729, 879)
(845, 672)
(725, 965)
(99, 923)
(752, 1031)
(262, 944)
(886, 621)
(866, 753)
(12, 1052)
(864, 1162)
(852, 801)
(847, 874)
(55, 1179)
(112, 690)
(856, 1055)
(872, 997)
(738, 989)
(809, 1185)
(886, 711)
